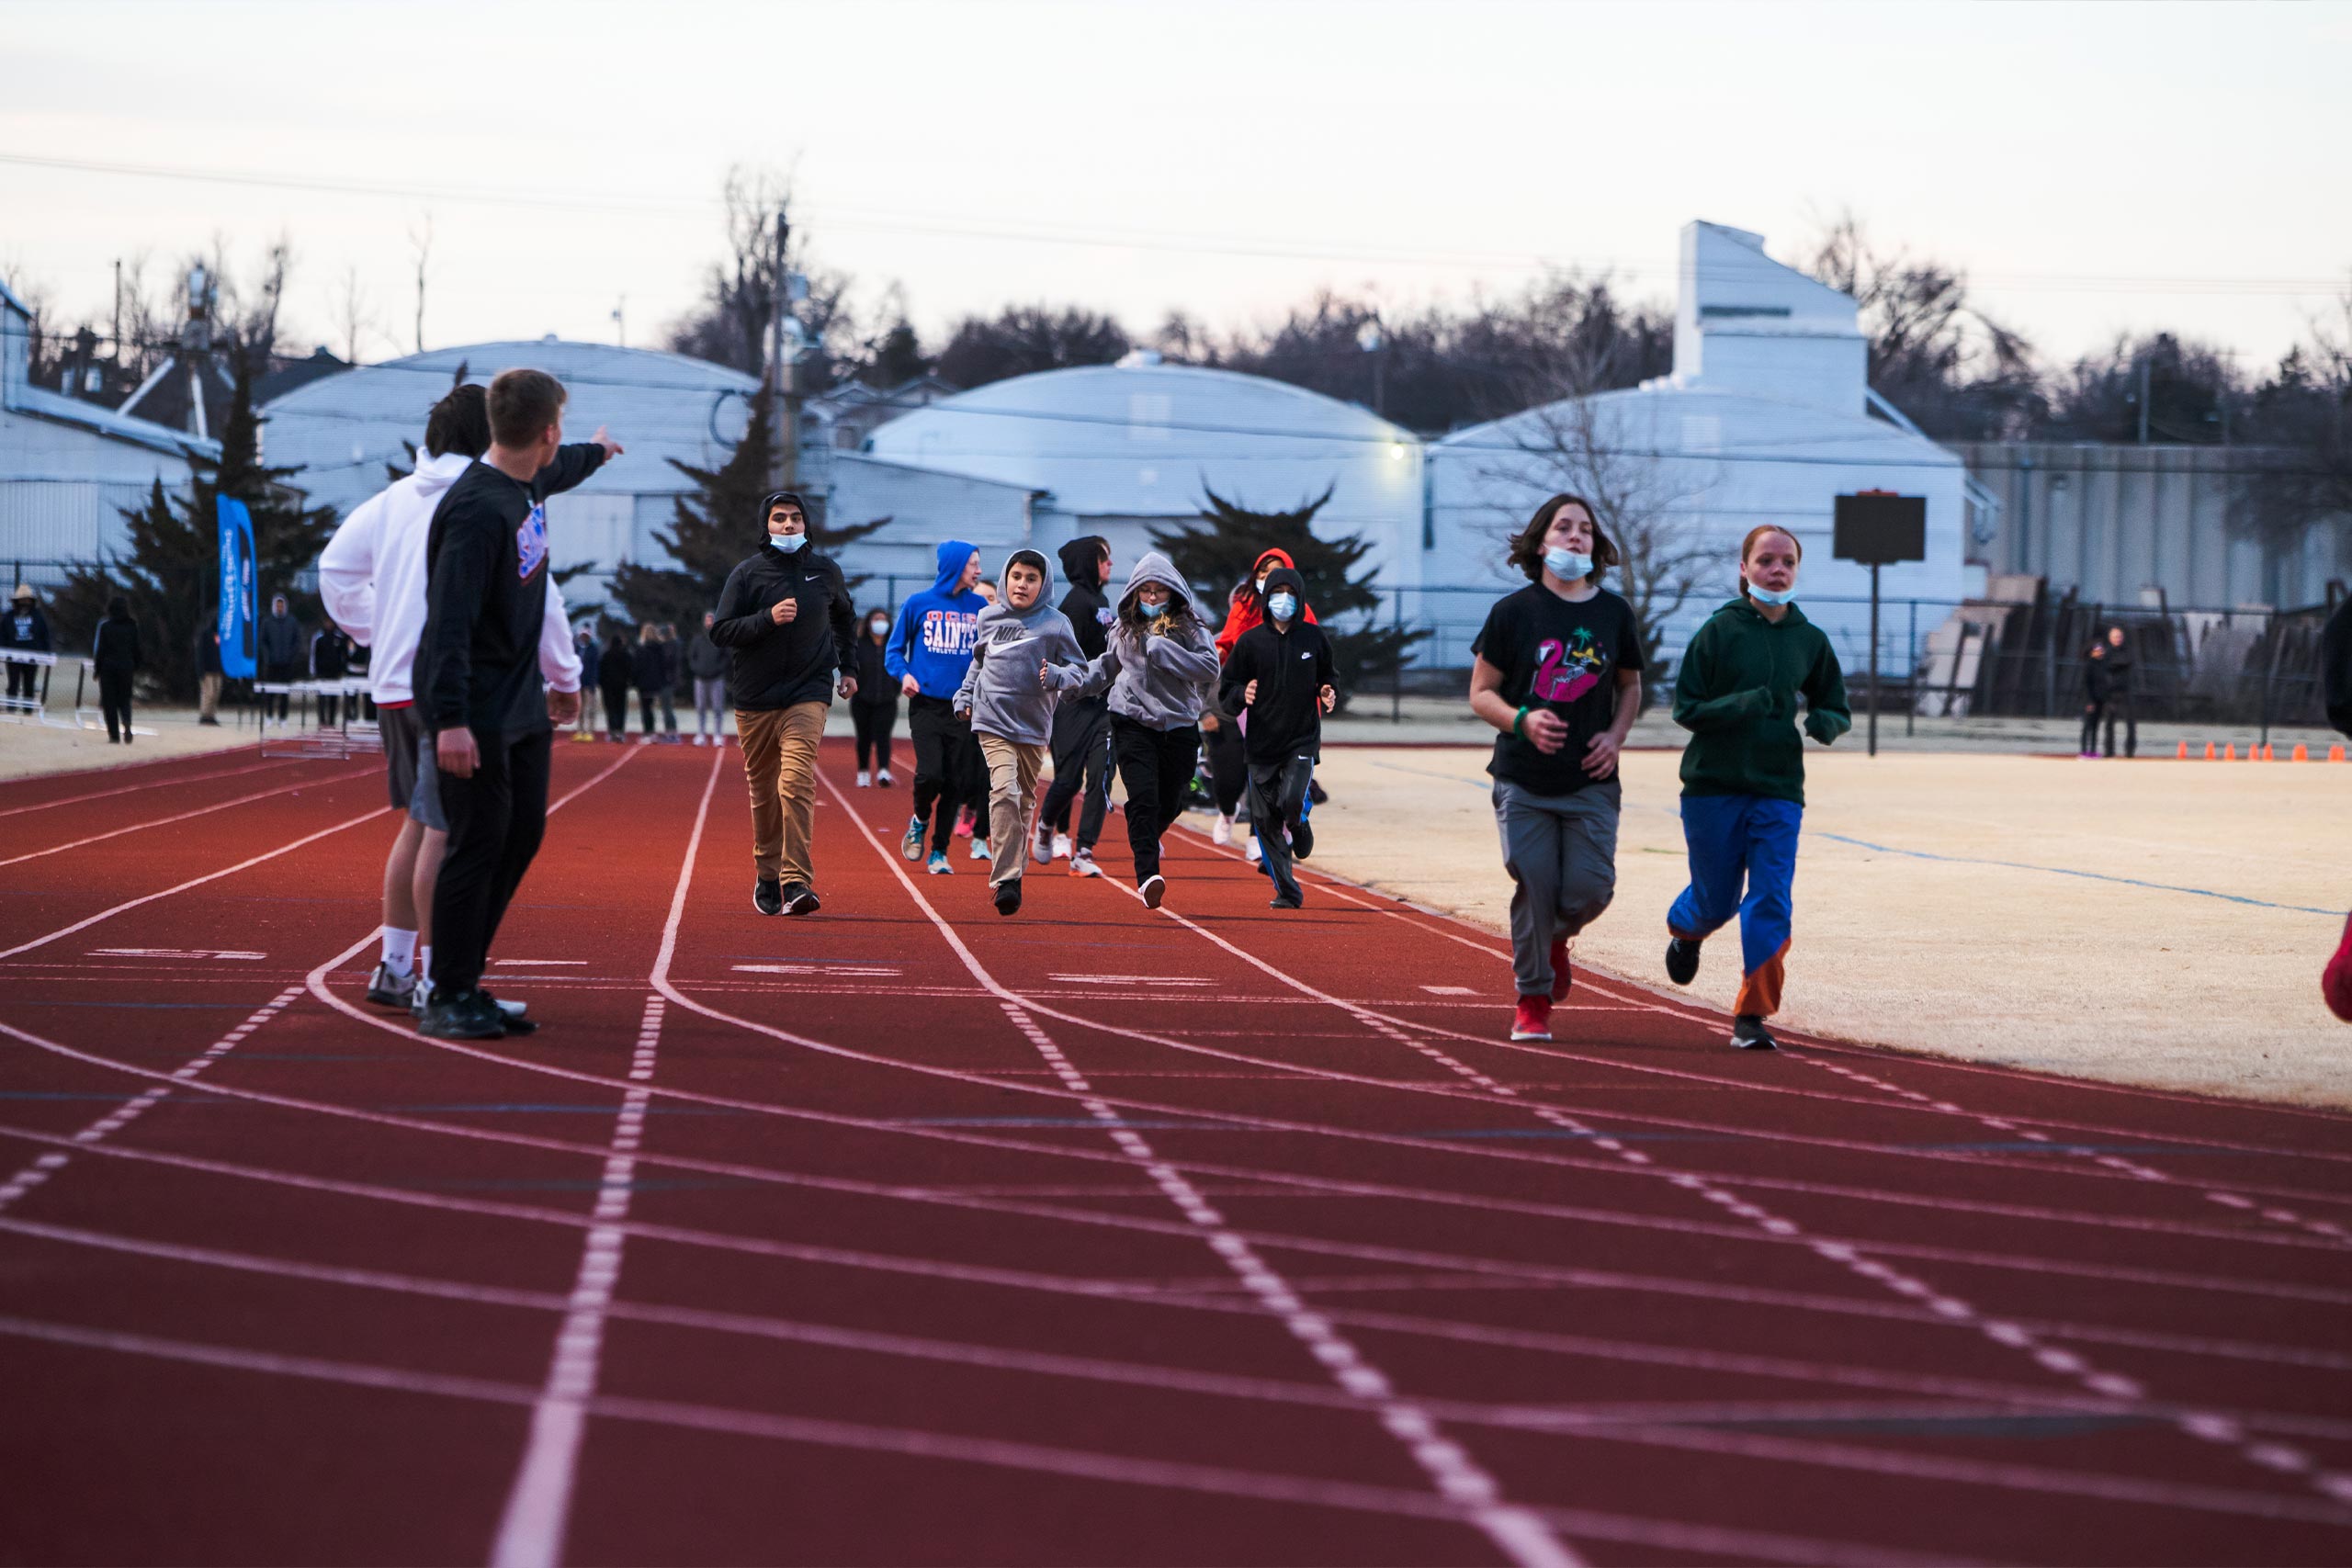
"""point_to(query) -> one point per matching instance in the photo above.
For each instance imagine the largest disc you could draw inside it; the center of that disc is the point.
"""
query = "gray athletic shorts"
(399, 728)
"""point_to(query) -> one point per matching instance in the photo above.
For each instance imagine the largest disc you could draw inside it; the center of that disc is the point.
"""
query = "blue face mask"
(1768, 596)
(789, 543)
(1282, 607)
(1566, 565)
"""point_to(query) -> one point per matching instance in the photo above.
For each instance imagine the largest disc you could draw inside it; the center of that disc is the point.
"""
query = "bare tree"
(420, 244)
(354, 316)
(2298, 475)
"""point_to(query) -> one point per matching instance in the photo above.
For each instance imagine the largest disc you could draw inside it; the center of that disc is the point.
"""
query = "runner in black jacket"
(1081, 739)
(478, 685)
(1280, 675)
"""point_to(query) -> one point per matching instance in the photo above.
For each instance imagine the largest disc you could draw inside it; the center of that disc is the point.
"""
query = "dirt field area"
(56, 747)
(2158, 923)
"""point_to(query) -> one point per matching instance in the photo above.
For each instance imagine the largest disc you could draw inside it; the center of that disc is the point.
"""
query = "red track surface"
(1090, 1235)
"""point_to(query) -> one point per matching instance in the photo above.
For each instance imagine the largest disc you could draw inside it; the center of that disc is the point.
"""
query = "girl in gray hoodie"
(1159, 664)
(1008, 698)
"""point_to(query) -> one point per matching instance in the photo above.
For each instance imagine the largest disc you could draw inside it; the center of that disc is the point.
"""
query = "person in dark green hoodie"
(1743, 773)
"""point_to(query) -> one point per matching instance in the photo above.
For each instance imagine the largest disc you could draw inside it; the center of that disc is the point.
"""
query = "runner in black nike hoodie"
(477, 675)
(1280, 678)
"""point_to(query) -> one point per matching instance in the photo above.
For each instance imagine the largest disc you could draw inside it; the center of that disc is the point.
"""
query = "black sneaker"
(511, 1014)
(1682, 961)
(767, 895)
(800, 899)
(1008, 896)
(1154, 888)
(1285, 901)
(387, 989)
(1747, 1032)
(1302, 841)
(469, 1015)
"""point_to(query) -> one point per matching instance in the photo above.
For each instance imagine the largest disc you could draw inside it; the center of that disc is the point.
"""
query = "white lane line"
(143, 788)
(182, 817)
(209, 955)
(541, 963)
(833, 971)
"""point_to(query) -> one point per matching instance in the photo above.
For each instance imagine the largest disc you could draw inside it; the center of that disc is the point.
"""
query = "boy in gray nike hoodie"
(1160, 663)
(1007, 696)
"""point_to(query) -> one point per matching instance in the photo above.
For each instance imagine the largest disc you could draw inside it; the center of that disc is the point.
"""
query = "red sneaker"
(1561, 979)
(1533, 1019)
(2336, 980)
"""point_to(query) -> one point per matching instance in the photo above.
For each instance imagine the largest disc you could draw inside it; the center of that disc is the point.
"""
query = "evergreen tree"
(1218, 551)
(715, 528)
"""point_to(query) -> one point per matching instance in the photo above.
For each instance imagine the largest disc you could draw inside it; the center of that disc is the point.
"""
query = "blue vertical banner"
(240, 616)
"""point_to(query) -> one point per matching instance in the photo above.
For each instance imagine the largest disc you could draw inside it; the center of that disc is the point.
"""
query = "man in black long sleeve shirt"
(477, 686)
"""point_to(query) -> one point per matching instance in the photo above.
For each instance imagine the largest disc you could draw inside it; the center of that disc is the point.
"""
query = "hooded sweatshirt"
(1737, 693)
(1247, 611)
(1292, 665)
(932, 637)
(371, 578)
(1000, 691)
(1160, 681)
(772, 665)
(24, 628)
(1090, 612)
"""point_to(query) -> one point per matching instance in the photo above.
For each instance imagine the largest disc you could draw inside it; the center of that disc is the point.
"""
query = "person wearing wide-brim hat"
(24, 629)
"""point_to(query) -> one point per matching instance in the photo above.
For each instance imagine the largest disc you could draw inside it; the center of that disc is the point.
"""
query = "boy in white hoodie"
(1008, 701)
(371, 579)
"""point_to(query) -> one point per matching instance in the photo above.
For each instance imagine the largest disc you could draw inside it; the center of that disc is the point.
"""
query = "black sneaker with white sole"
(1154, 888)
(1682, 961)
(387, 989)
(767, 895)
(1008, 896)
(468, 1015)
(1747, 1032)
(800, 899)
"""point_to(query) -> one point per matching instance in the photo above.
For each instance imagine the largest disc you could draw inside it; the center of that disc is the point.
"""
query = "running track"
(911, 1233)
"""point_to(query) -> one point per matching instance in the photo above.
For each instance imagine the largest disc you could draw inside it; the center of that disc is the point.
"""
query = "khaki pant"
(780, 764)
(210, 703)
(1012, 789)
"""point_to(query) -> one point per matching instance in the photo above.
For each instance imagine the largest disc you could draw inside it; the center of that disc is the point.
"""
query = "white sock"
(425, 964)
(399, 950)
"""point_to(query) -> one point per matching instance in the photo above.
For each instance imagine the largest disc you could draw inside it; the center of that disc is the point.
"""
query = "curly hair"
(1527, 545)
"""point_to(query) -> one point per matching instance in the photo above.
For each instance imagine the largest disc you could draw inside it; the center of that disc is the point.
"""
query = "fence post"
(1911, 680)
(1397, 679)
(2270, 672)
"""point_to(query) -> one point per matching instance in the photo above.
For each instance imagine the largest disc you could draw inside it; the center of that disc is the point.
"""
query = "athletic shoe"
(1315, 793)
(510, 1010)
(1747, 1032)
(1081, 863)
(911, 841)
(937, 866)
(1302, 841)
(1682, 961)
(1222, 834)
(1533, 1019)
(470, 1016)
(1253, 854)
(767, 895)
(980, 848)
(387, 989)
(1041, 844)
(1561, 979)
(864, 779)
(1008, 896)
(800, 899)
(882, 778)
(1155, 888)
(1285, 901)
(1061, 846)
(963, 825)
(417, 1000)
(702, 739)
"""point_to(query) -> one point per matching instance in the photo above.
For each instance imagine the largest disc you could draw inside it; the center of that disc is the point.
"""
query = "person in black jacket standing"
(1081, 739)
(281, 661)
(785, 620)
(1280, 674)
(478, 685)
(875, 709)
(614, 670)
(115, 651)
(329, 661)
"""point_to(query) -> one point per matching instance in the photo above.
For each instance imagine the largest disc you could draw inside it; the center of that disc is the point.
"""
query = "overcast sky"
(2095, 169)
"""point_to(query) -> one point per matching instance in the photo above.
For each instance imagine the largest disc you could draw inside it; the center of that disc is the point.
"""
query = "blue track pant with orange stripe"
(1743, 861)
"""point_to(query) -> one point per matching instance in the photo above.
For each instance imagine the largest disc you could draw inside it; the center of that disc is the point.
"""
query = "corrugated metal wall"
(54, 520)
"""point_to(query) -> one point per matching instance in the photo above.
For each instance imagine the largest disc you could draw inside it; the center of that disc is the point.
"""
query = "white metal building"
(343, 430)
(1766, 418)
(1118, 450)
(68, 468)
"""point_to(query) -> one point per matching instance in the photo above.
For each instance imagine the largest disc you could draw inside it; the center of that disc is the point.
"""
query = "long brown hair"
(1527, 545)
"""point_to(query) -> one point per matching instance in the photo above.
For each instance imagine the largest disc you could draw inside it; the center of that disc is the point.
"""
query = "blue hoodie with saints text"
(936, 629)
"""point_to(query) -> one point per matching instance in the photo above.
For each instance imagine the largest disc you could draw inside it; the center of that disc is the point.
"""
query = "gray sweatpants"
(1561, 852)
(710, 705)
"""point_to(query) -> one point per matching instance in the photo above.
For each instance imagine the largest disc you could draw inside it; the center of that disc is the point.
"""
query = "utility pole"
(2143, 398)
(780, 376)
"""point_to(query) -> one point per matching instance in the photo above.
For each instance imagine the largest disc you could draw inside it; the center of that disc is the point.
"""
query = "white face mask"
(878, 625)
(1763, 596)
(789, 543)
(1148, 607)
(1282, 607)
(1567, 565)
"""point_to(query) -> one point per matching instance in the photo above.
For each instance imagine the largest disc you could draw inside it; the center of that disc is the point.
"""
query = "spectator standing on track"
(1082, 740)
(1158, 663)
(707, 664)
(874, 710)
(280, 645)
(330, 660)
(784, 618)
(114, 650)
(1743, 772)
(1280, 673)
(650, 672)
(1557, 670)
(479, 681)
(676, 653)
(592, 678)
(371, 578)
(615, 668)
(2335, 691)
(208, 672)
(1007, 699)
(929, 650)
(24, 629)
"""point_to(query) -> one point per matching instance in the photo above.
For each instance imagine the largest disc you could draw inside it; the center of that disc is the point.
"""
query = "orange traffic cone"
(2182, 754)
(2209, 750)
(2302, 752)
(2228, 750)
(2335, 753)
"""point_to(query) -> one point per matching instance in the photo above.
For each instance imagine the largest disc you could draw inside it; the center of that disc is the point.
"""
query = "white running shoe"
(883, 778)
(1253, 854)
(1222, 834)
(979, 848)
(864, 778)
(1061, 846)
(1082, 864)
(1041, 844)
